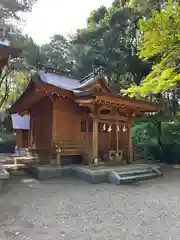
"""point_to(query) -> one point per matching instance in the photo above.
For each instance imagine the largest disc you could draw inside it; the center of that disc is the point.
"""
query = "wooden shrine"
(70, 117)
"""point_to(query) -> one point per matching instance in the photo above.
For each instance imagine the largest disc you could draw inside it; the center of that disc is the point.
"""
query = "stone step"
(4, 176)
(3, 173)
(18, 160)
(135, 178)
(135, 172)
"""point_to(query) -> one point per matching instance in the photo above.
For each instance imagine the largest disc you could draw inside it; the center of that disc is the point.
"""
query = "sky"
(59, 16)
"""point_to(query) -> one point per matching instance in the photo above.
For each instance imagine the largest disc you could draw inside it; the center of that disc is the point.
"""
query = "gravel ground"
(72, 209)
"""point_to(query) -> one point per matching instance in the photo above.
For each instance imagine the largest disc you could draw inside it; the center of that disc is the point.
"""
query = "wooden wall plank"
(41, 125)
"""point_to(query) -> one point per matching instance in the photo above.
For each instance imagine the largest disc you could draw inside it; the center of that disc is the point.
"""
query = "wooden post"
(58, 159)
(117, 142)
(95, 139)
(52, 162)
(54, 132)
(54, 121)
(130, 143)
(117, 138)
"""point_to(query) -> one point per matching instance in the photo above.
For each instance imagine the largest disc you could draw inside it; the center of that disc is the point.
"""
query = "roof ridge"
(95, 73)
(61, 72)
(58, 72)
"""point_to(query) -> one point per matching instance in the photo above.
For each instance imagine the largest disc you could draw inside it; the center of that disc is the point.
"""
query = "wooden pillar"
(54, 121)
(117, 137)
(95, 139)
(58, 159)
(130, 145)
(54, 133)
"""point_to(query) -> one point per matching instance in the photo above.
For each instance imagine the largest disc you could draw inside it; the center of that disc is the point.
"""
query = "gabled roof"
(94, 84)
(68, 83)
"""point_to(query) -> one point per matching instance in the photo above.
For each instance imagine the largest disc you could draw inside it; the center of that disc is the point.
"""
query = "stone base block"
(48, 172)
(91, 177)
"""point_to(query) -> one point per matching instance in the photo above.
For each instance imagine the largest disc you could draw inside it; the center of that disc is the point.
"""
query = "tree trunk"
(158, 5)
(6, 93)
(158, 123)
(159, 136)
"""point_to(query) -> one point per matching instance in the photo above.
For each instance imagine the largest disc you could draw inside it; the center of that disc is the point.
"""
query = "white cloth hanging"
(110, 129)
(117, 128)
(124, 128)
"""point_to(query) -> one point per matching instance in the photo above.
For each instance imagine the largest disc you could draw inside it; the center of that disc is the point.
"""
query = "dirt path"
(72, 209)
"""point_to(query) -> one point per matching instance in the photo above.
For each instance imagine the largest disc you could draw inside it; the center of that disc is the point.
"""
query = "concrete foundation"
(48, 172)
(91, 175)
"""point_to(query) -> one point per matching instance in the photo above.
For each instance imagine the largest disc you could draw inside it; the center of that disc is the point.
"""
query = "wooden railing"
(69, 148)
(66, 148)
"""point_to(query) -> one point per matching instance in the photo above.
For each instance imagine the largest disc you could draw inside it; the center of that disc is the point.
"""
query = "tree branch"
(5, 76)
(6, 93)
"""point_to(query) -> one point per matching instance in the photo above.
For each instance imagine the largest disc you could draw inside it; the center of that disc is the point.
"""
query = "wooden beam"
(88, 105)
(128, 103)
(101, 117)
(84, 101)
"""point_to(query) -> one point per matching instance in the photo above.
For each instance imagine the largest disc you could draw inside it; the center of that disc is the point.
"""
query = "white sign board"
(19, 122)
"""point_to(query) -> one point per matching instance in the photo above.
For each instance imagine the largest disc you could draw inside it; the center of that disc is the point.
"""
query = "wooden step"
(14, 166)
(70, 152)
(25, 159)
(65, 147)
(70, 147)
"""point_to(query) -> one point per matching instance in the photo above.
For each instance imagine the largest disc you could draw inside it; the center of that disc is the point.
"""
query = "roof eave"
(8, 50)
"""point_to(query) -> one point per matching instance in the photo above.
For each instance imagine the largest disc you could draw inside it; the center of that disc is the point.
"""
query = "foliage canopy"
(160, 43)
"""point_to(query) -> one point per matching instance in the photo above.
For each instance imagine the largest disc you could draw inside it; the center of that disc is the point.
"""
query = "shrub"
(7, 146)
(7, 143)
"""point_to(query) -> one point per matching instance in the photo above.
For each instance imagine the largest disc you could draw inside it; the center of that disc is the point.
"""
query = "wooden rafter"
(123, 102)
(123, 106)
